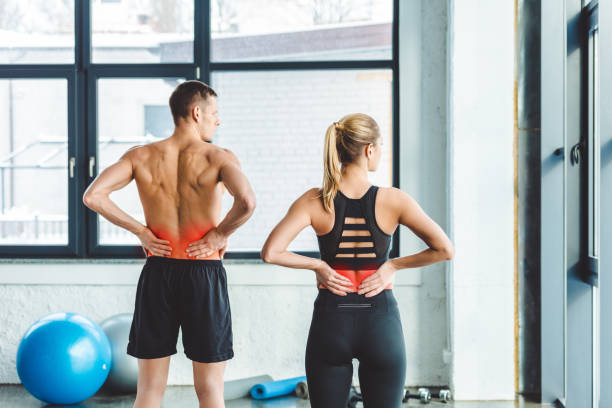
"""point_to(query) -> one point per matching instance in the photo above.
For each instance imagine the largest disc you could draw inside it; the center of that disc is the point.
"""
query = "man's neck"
(185, 135)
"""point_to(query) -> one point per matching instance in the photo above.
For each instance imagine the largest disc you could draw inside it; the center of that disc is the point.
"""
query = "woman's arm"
(411, 215)
(275, 249)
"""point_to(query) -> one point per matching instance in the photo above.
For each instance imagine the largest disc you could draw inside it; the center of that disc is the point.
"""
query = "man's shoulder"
(221, 155)
(142, 154)
(136, 153)
(147, 150)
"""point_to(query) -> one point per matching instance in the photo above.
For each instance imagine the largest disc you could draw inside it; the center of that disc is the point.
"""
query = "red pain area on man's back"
(179, 241)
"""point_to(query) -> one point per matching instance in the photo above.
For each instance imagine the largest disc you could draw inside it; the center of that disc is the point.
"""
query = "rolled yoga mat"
(240, 388)
(275, 388)
(301, 390)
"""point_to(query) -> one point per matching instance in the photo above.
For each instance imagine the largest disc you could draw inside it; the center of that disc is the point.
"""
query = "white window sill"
(127, 271)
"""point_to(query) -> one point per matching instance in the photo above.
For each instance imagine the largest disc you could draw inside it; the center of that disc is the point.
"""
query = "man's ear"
(196, 112)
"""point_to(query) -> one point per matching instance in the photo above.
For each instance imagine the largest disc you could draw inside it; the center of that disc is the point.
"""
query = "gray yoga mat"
(240, 388)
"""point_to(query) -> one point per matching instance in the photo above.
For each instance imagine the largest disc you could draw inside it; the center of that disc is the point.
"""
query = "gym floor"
(15, 396)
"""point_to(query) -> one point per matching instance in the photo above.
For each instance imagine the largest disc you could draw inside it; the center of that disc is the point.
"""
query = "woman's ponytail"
(331, 168)
(344, 143)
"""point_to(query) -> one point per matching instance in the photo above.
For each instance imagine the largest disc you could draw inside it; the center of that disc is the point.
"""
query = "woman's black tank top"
(355, 222)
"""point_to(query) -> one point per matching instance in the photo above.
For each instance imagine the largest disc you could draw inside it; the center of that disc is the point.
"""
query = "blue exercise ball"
(63, 358)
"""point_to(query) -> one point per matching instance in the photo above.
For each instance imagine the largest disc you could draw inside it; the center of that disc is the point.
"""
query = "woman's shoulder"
(390, 193)
(311, 196)
(309, 201)
(393, 196)
(313, 192)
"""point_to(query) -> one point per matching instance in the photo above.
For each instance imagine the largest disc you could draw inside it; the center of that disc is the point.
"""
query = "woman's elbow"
(266, 255)
(448, 252)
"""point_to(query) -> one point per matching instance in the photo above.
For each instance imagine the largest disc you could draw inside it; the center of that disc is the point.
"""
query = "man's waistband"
(182, 261)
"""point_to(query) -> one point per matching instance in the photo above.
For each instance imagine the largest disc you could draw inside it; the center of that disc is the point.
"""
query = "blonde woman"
(355, 313)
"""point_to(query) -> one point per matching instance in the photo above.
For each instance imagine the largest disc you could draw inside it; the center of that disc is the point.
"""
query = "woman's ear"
(369, 150)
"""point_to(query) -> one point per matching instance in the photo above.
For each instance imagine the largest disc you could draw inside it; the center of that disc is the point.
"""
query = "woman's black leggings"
(353, 326)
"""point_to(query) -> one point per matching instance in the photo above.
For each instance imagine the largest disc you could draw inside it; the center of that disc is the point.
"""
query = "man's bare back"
(180, 181)
(180, 190)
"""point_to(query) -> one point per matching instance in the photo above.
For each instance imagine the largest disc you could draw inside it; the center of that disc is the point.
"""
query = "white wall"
(481, 41)
(423, 167)
(271, 310)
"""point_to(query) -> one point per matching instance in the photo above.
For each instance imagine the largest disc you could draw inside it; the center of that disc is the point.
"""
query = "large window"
(311, 30)
(83, 81)
(286, 128)
(33, 150)
(128, 31)
(37, 31)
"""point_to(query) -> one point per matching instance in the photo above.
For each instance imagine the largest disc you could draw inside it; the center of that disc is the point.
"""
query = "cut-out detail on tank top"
(357, 233)
(354, 220)
(368, 255)
(356, 244)
(356, 240)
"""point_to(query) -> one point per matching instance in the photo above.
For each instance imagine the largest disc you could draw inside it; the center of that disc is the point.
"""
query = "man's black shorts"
(188, 293)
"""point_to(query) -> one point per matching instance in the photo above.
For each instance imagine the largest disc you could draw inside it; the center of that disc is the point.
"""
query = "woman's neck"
(354, 179)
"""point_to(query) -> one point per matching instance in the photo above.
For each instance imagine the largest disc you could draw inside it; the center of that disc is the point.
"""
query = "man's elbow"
(92, 200)
(89, 200)
(248, 203)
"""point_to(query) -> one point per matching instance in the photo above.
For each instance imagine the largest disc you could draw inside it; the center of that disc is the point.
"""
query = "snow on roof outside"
(304, 29)
(13, 39)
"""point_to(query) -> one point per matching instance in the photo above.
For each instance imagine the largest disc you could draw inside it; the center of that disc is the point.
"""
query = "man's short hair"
(185, 95)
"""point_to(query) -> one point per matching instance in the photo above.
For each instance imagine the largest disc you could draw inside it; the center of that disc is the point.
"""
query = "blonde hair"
(344, 142)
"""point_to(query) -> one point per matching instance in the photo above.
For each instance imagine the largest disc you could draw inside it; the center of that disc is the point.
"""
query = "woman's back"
(355, 236)
(356, 245)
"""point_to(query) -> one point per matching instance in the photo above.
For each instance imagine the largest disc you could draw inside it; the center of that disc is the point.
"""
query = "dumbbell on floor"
(425, 396)
(443, 395)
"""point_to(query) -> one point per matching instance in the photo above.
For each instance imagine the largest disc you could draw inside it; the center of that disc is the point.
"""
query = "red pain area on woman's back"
(356, 277)
(180, 241)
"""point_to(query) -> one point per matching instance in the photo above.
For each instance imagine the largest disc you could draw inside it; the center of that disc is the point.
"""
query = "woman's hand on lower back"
(378, 281)
(332, 280)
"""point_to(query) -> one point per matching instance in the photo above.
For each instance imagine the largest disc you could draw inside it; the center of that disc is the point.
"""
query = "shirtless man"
(180, 181)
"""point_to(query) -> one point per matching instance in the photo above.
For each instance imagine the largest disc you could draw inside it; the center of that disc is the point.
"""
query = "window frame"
(82, 77)
(71, 248)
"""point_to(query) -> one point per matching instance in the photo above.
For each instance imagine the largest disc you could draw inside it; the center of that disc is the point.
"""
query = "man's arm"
(97, 198)
(231, 175)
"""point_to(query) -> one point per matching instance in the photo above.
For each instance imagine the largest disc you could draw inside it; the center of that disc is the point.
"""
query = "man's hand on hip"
(150, 242)
(206, 246)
